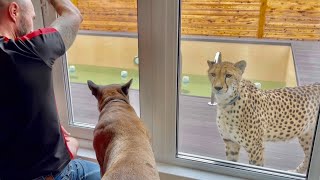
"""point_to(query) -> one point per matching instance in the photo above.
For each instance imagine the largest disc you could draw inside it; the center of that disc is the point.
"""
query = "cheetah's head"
(225, 77)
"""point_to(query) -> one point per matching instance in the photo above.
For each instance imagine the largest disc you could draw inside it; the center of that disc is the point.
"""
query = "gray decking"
(197, 130)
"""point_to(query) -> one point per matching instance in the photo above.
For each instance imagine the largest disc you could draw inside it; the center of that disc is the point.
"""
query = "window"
(106, 59)
(260, 33)
(106, 52)
(169, 83)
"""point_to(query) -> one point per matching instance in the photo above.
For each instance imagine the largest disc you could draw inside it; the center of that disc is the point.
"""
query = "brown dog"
(121, 141)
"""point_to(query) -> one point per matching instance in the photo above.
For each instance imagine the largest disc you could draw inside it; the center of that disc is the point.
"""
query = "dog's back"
(121, 141)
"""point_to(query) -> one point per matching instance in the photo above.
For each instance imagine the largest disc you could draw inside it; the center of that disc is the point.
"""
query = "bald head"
(19, 15)
(5, 3)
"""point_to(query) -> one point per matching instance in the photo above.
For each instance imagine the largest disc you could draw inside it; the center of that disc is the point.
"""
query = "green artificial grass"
(103, 75)
(198, 84)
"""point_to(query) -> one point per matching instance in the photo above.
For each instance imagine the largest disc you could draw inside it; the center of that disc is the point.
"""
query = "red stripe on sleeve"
(36, 33)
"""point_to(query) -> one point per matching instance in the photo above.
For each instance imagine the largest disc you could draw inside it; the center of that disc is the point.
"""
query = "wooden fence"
(275, 19)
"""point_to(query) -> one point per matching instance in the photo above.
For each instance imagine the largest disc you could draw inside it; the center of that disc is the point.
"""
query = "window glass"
(260, 121)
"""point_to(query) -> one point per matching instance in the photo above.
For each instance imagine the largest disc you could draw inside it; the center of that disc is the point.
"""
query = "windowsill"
(168, 172)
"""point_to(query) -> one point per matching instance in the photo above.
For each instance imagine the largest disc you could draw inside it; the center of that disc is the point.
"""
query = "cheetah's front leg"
(256, 155)
(305, 141)
(232, 150)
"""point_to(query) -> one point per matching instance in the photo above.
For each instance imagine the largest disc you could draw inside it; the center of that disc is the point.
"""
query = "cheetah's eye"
(228, 75)
(213, 74)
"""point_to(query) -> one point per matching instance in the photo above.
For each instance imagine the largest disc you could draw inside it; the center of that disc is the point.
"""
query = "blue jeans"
(79, 169)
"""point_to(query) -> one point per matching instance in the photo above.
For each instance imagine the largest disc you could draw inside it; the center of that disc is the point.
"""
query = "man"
(33, 144)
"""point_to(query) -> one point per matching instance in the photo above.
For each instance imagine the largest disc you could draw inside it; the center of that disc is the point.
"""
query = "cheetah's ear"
(241, 65)
(210, 63)
(217, 60)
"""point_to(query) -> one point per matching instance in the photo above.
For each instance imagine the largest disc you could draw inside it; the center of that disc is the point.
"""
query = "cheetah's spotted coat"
(248, 116)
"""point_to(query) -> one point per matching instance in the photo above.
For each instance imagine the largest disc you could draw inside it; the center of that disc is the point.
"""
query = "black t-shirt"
(31, 141)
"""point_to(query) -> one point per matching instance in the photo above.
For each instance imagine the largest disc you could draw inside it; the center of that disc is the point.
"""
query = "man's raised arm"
(68, 22)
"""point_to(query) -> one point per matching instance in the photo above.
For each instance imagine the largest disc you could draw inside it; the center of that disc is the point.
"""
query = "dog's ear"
(125, 87)
(93, 87)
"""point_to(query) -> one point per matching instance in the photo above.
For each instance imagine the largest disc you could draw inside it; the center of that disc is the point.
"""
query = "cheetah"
(248, 116)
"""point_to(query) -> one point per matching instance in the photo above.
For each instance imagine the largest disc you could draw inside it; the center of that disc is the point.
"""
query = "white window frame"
(158, 26)
(62, 87)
